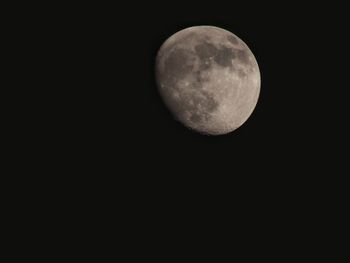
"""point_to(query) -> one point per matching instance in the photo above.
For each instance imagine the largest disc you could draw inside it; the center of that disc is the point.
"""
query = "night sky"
(103, 155)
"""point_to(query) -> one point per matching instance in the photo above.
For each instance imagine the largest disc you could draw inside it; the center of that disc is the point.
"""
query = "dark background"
(105, 153)
(116, 123)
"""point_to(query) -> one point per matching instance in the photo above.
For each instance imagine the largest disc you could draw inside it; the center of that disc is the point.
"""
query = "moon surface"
(208, 78)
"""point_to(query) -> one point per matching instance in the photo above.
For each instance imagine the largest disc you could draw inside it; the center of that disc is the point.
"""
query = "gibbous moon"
(208, 78)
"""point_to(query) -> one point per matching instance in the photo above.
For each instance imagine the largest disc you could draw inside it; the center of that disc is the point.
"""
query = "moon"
(208, 78)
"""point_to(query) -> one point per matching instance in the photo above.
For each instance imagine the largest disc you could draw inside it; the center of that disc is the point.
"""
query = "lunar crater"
(197, 106)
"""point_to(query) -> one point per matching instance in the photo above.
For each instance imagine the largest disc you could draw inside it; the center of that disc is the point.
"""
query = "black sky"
(102, 161)
(106, 156)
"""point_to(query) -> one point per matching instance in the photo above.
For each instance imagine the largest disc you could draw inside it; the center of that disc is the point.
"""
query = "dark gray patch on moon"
(177, 66)
(205, 50)
(243, 56)
(224, 56)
